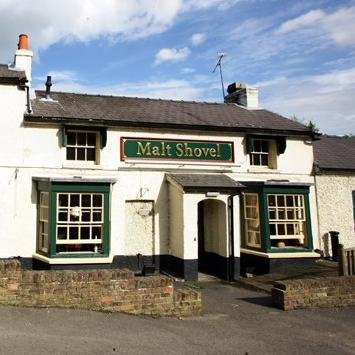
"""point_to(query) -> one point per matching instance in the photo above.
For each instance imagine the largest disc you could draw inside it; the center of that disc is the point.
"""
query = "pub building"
(186, 187)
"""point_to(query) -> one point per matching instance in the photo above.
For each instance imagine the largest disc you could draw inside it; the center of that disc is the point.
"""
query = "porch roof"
(205, 182)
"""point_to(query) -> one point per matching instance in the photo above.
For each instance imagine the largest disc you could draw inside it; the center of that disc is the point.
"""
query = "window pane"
(81, 138)
(71, 138)
(272, 229)
(96, 232)
(63, 200)
(289, 200)
(290, 214)
(74, 200)
(280, 200)
(80, 154)
(272, 214)
(97, 200)
(86, 216)
(271, 200)
(257, 145)
(264, 160)
(73, 233)
(290, 229)
(70, 153)
(86, 200)
(256, 159)
(265, 146)
(91, 139)
(96, 217)
(281, 229)
(281, 214)
(63, 216)
(90, 154)
(62, 233)
(85, 233)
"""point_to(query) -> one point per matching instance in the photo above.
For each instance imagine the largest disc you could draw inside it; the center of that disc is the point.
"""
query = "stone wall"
(314, 293)
(102, 290)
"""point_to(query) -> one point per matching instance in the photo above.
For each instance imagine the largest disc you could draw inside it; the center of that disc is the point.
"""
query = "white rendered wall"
(335, 209)
(29, 151)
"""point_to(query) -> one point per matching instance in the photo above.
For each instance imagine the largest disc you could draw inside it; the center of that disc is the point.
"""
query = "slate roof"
(11, 76)
(132, 111)
(334, 153)
(215, 182)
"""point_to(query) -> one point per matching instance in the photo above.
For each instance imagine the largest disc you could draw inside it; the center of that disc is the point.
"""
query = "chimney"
(242, 95)
(23, 57)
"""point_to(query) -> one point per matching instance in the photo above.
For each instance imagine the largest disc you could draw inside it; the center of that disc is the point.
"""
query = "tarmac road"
(234, 321)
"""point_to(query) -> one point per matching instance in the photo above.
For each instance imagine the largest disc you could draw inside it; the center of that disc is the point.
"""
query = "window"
(263, 153)
(43, 216)
(276, 218)
(252, 219)
(79, 222)
(83, 145)
(73, 219)
(287, 220)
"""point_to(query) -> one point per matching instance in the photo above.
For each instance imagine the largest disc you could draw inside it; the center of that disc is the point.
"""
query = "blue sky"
(299, 53)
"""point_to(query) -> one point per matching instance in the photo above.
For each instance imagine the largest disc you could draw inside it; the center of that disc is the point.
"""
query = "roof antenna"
(219, 64)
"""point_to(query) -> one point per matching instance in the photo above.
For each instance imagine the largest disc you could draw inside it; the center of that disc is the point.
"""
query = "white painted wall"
(30, 150)
(335, 209)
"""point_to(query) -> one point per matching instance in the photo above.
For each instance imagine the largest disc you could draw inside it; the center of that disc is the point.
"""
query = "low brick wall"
(103, 290)
(314, 293)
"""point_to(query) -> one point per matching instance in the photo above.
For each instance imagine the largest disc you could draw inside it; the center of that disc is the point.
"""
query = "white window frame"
(287, 217)
(76, 146)
(270, 154)
(252, 221)
(75, 220)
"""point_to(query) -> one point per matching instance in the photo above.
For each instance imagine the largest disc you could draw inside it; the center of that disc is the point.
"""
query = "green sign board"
(176, 150)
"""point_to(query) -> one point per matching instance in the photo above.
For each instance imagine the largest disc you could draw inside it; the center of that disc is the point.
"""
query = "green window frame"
(73, 220)
(285, 221)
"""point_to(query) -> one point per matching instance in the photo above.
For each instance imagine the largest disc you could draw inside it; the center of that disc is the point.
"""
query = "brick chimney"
(242, 95)
(23, 57)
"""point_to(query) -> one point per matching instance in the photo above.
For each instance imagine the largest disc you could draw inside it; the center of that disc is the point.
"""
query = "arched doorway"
(213, 238)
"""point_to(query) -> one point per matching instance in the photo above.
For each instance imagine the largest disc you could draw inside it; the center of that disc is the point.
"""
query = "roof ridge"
(133, 97)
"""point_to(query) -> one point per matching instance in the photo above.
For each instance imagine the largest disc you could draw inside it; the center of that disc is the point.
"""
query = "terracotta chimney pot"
(23, 42)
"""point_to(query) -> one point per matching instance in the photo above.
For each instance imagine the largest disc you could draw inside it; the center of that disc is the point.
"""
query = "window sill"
(276, 255)
(74, 260)
(81, 165)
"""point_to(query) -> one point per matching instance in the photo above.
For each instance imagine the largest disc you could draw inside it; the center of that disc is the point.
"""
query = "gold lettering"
(218, 151)
(143, 150)
(188, 150)
(179, 150)
(197, 152)
(163, 149)
(168, 152)
(205, 151)
(213, 153)
(156, 151)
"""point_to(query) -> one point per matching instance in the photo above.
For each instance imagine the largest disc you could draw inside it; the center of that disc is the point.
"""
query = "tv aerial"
(220, 55)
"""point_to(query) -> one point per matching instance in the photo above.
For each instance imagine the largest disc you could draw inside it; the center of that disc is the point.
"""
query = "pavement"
(320, 268)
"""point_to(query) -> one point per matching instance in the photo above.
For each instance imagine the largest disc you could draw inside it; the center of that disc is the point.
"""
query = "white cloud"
(326, 99)
(198, 38)
(301, 21)
(171, 55)
(60, 75)
(50, 22)
(339, 25)
(187, 70)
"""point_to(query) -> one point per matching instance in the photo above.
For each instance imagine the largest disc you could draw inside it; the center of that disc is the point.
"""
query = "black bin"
(334, 238)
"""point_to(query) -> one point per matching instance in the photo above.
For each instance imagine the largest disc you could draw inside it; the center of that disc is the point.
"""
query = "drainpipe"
(28, 101)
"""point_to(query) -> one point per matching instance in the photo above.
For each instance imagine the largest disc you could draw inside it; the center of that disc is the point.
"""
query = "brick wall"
(314, 293)
(102, 290)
